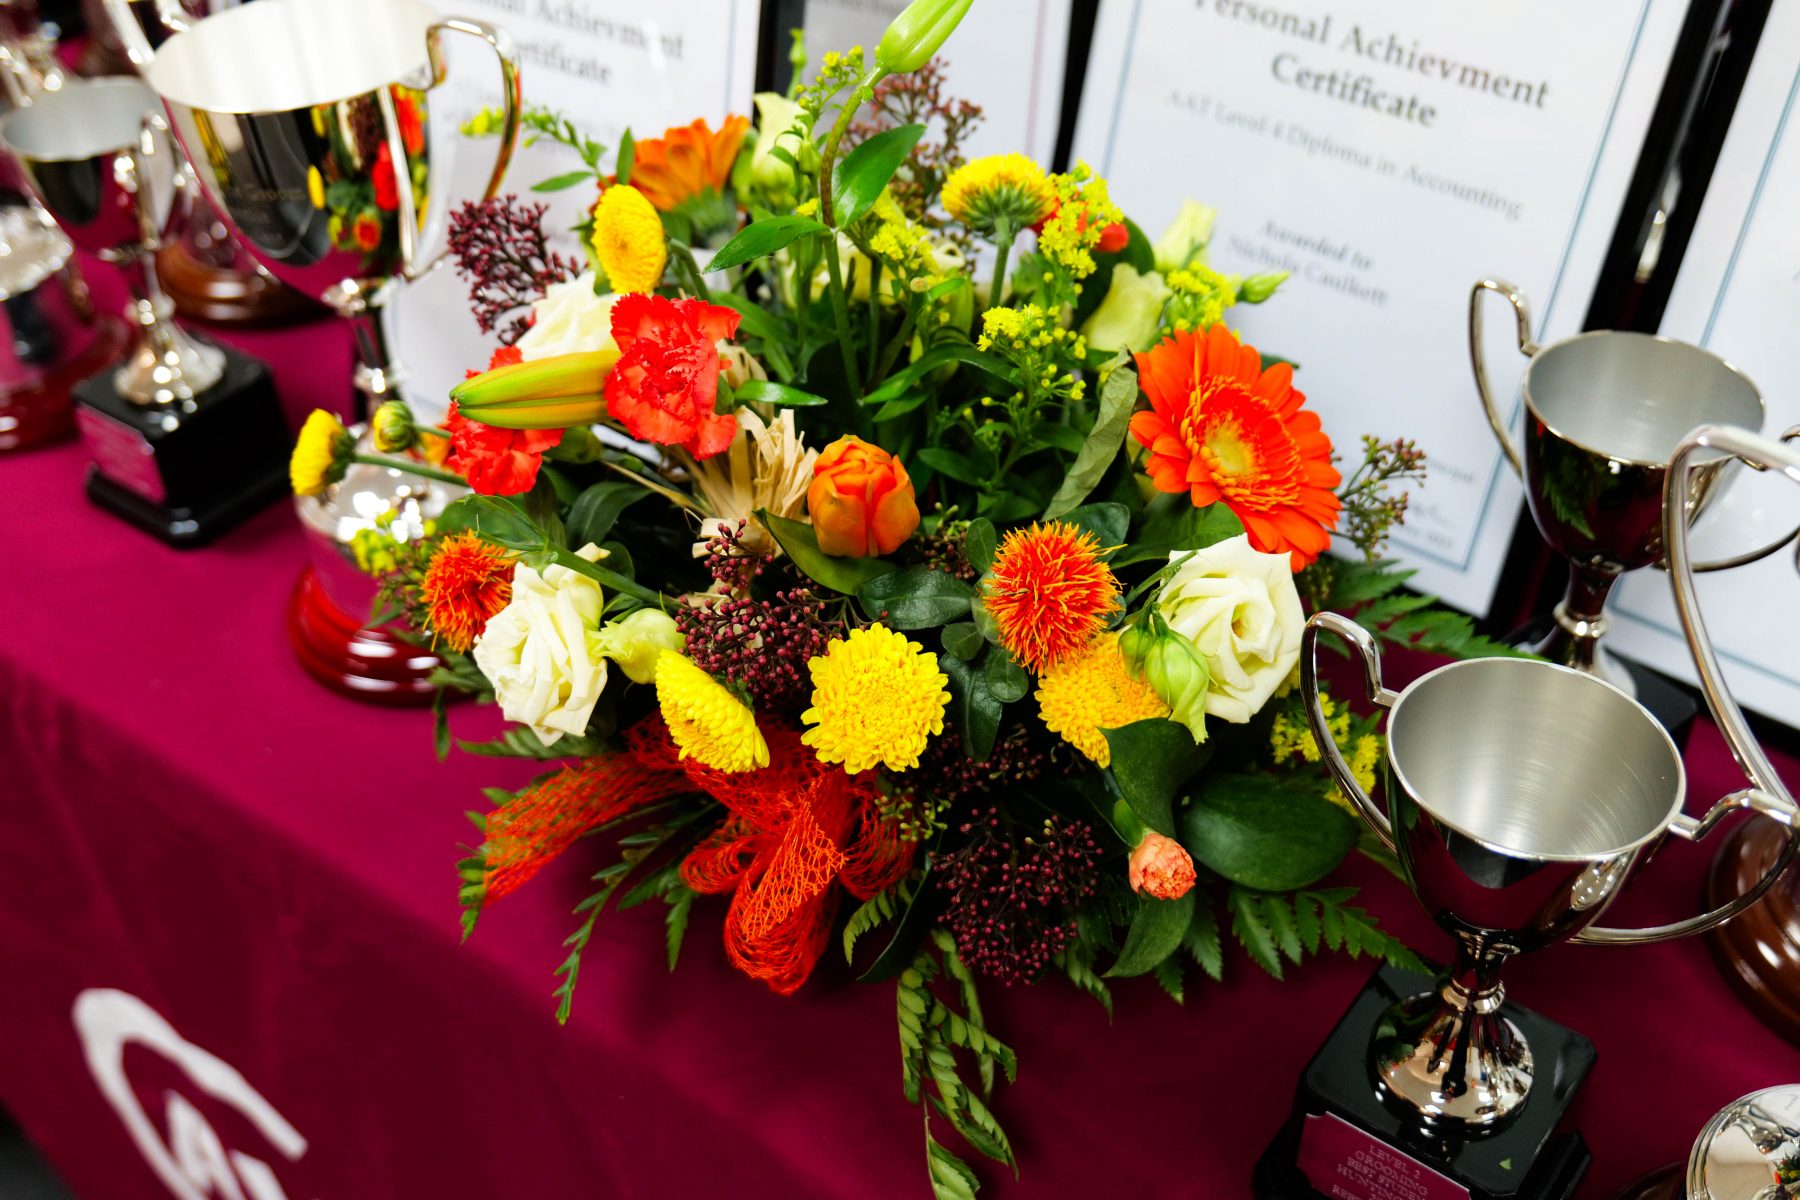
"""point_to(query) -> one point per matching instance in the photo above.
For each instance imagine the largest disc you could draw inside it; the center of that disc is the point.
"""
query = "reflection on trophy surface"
(1523, 797)
(1603, 413)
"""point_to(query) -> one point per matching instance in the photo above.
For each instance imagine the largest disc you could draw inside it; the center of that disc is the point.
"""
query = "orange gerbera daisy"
(1050, 593)
(1222, 428)
(686, 161)
(466, 582)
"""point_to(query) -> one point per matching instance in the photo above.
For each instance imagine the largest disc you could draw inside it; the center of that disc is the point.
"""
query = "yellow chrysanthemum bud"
(392, 426)
(321, 454)
(706, 721)
(628, 240)
(1006, 189)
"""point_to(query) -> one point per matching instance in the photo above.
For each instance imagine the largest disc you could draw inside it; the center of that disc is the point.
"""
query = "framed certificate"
(1389, 154)
(1007, 57)
(1737, 293)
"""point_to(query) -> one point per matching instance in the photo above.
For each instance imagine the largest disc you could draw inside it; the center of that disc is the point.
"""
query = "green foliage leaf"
(680, 899)
(963, 639)
(877, 910)
(921, 909)
(761, 238)
(1151, 760)
(753, 319)
(1264, 832)
(592, 515)
(518, 741)
(1109, 522)
(844, 575)
(980, 542)
(951, 1178)
(1250, 925)
(765, 391)
(859, 177)
(1007, 681)
(1118, 396)
(557, 183)
(627, 159)
(916, 598)
(1201, 941)
(957, 466)
(1073, 963)
(902, 382)
(499, 519)
(1172, 524)
(973, 706)
(1168, 976)
(1155, 933)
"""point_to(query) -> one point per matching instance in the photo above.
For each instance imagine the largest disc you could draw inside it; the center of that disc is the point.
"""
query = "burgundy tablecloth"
(249, 880)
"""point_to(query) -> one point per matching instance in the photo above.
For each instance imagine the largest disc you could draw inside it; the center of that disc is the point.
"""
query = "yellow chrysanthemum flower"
(321, 454)
(1092, 691)
(1000, 187)
(706, 721)
(629, 240)
(876, 698)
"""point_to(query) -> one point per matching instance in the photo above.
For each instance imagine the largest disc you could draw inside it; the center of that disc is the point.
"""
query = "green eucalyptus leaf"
(916, 598)
(1156, 932)
(1118, 396)
(761, 238)
(860, 177)
(963, 639)
(1151, 760)
(1266, 833)
(844, 575)
(1007, 681)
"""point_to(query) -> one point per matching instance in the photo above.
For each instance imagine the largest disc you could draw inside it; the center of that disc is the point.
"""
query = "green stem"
(840, 312)
(900, 342)
(874, 313)
(609, 578)
(410, 467)
(1004, 234)
(804, 265)
(828, 156)
(685, 264)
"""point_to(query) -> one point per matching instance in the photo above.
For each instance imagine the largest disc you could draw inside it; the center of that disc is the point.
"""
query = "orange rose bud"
(861, 501)
(1161, 869)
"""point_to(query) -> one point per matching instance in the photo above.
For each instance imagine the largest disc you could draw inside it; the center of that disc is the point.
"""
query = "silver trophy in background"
(186, 438)
(308, 122)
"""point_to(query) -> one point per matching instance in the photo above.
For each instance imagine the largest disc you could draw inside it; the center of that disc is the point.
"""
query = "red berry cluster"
(1012, 898)
(947, 773)
(761, 645)
(502, 251)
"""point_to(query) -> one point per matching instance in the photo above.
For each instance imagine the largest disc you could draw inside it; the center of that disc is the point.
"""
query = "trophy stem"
(1449, 1056)
(168, 365)
(378, 375)
(1574, 639)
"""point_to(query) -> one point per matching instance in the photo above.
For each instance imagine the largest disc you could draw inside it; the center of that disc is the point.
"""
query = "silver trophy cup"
(99, 157)
(308, 124)
(1604, 412)
(1523, 797)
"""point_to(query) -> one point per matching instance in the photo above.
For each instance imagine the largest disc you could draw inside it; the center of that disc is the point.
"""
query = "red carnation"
(381, 175)
(497, 462)
(667, 378)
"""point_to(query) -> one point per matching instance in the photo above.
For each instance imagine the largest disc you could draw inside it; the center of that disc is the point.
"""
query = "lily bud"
(1160, 868)
(1261, 286)
(918, 33)
(557, 392)
(393, 427)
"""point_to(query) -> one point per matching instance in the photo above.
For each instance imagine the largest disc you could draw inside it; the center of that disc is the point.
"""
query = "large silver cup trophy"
(308, 124)
(1604, 412)
(99, 158)
(1524, 794)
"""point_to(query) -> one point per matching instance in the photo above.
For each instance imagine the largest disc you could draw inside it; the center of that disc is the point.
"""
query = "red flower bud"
(1160, 868)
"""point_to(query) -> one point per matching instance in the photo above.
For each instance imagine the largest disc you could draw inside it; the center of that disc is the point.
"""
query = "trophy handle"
(1766, 795)
(1527, 347)
(1364, 643)
(511, 100)
(1788, 437)
(153, 128)
(138, 47)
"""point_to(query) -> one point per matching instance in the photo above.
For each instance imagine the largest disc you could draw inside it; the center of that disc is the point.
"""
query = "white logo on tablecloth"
(193, 1163)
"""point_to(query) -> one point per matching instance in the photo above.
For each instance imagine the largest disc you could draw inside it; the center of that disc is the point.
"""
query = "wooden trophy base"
(371, 663)
(203, 291)
(1759, 950)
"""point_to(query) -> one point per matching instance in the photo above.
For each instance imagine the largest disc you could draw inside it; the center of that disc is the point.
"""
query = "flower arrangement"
(946, 615)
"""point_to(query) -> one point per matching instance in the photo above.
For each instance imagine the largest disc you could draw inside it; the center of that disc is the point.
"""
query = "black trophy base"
(1673, 704)
(186, 472)
(1343, 1141)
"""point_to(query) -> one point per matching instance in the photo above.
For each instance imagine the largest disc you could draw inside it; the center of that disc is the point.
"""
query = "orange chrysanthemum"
(1222, 428)
(1050, 593)
(686, 161)
(466, 582)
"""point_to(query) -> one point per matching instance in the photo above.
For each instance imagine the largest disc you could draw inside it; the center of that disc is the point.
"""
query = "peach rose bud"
(861, 500)
(1161, 869)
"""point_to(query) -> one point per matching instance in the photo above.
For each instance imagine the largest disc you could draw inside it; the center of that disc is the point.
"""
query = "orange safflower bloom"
(687, 160)
(1222, 428)
(1049, 592)
(466, 582)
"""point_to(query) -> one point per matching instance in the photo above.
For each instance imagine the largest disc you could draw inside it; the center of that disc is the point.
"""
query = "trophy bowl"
(1604, 412)
(1524, 795)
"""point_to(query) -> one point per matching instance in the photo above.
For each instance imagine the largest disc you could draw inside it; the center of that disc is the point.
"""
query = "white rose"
(546, 670)
(1239, 606)
(569, 319)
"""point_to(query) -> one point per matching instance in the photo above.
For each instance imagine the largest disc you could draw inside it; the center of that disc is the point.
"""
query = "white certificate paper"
(606, 65)
(1389, 153)
(1738, 295)
(1007, 56)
